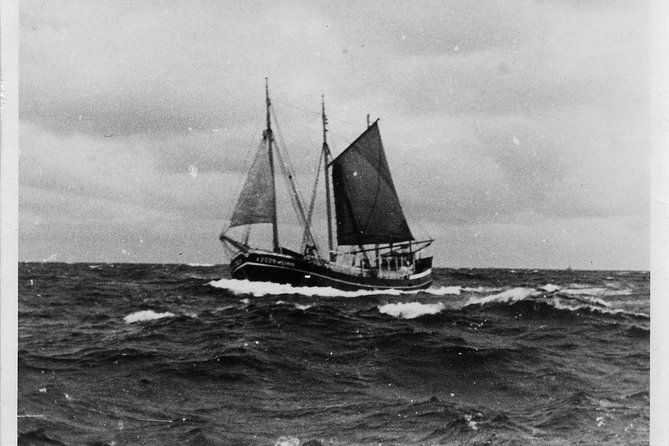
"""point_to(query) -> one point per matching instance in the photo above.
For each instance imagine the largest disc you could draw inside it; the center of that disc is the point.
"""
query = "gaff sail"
(256, 200)
(367, 207)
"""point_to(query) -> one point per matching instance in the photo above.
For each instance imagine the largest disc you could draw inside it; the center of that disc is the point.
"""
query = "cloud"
(132, 68)
(489, 113)
(118, 171)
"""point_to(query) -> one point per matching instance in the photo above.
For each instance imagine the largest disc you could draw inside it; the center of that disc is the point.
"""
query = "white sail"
(256, 200)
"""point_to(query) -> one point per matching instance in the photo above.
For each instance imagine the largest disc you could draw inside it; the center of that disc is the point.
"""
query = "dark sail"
(256, 201)
(366, 203)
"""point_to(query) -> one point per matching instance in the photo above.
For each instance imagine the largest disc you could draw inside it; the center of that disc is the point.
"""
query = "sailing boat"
(375, 248)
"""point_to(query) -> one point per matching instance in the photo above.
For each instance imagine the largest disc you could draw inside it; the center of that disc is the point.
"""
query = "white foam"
(597, 291)
(287, 441)
(511, 295)
(145, 315)
(584, 299)
(519, 294)
(471, 423)
(442, 291)
(481, 289)
(579, 290)
(258, 289)
(298, 306)
(559, 301)
(549, 287)
(225, 308)
(200, 264)
(618, 311)
(410, 310)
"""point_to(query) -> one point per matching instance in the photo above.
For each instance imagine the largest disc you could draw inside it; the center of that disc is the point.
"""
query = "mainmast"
(327, 157)
(270, 139)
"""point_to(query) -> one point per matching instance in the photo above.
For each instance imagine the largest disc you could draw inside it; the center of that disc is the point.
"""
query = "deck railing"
(390, 271)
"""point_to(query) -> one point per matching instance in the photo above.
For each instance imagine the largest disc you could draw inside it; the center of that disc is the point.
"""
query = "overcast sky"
(517, 132)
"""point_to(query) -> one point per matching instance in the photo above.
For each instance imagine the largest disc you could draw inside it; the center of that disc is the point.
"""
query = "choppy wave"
(560, 305)
(549, 287)
(555, 297)
(146, 315)
(410, 310)
(288, 441)
(597, 291)
(481, 289)
(510, 295)
(441, 291)
(296, 305)
(106, 356)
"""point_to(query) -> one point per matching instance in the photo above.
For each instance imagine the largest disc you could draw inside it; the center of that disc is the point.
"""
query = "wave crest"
(441, 291)
(410, 310)
(296, 305)
(146, 315)
(554, 297)
(508, 296)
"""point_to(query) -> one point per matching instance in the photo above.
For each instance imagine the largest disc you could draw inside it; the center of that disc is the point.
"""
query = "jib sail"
(256, 200)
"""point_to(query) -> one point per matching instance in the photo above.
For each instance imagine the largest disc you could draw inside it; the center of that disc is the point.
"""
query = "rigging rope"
(287, 170)
(313, 199)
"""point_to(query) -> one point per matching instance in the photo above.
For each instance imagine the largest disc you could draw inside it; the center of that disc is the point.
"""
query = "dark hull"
(296, 271)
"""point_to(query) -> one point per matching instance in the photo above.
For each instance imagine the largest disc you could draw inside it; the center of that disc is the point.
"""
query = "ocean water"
(124, 354)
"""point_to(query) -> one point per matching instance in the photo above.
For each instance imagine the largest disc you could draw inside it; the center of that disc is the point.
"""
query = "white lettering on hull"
(274, 261)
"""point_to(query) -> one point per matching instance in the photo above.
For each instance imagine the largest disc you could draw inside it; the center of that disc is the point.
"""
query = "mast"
(376, 245)
(327, 156)
(270, 138)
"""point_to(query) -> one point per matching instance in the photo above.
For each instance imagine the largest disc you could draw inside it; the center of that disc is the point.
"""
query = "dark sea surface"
(124, 354)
